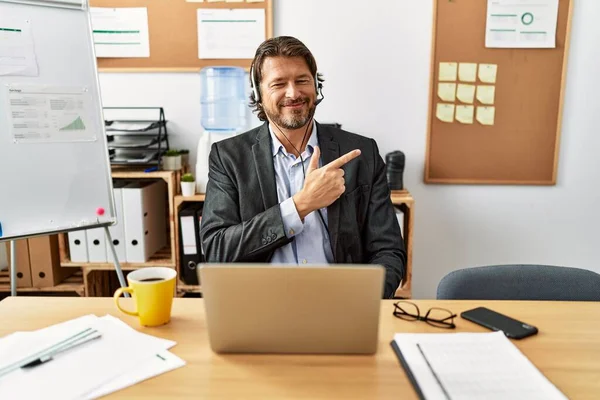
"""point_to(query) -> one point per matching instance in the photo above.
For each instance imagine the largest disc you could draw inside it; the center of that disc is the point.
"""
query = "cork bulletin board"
(172, 26)
(504, 126)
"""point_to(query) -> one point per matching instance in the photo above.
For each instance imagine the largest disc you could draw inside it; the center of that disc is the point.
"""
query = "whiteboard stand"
(116, 260)
(13, 268)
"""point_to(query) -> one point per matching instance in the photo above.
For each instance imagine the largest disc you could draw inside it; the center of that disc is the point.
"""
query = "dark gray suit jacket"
(241, 220)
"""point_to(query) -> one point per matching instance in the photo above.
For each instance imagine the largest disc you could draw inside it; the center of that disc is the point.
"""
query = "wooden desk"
(567, 352)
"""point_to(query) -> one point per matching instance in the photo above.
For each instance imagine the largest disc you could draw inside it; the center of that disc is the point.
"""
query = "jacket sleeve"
(224, 236)
(382, 238)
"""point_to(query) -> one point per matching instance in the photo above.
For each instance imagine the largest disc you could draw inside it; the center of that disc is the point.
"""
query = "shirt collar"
(277, 146)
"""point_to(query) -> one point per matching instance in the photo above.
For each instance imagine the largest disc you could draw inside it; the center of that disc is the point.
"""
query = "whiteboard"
(55, 170)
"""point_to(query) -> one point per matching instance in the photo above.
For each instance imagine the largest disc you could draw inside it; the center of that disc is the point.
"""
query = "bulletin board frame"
(522, 146)
(173, 35)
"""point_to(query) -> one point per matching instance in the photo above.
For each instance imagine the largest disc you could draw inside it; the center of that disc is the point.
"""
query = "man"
(292, 190)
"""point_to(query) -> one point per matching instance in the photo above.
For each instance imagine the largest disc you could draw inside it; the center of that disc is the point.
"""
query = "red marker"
(100, 211)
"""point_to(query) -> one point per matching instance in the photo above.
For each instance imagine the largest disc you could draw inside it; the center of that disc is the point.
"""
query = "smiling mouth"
(294, 106)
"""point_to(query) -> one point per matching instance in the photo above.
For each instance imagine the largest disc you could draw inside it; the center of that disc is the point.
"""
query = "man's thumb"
(314, 161)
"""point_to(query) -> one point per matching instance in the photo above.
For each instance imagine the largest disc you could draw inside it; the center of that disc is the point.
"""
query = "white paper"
(43, 113)
(473, 365)
(120, 358)
(155, 365)
(521, 23)
(121, 32)
(230, 33)
(17, 52)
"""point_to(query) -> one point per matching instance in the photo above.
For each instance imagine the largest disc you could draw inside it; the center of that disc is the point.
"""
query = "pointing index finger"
(340, 162)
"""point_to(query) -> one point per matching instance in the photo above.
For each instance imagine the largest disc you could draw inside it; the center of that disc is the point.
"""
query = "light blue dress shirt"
(311, 242)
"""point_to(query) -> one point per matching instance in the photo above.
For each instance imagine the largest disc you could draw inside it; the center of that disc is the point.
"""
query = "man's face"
(287, 91)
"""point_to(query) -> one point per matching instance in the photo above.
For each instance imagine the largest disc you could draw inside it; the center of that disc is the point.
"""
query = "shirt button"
(273, 236)
(291, 231)
(304, 261)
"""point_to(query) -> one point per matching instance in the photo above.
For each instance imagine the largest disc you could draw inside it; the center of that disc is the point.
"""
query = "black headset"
(256, 91)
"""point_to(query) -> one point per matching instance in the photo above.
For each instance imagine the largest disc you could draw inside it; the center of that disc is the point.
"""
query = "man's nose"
(292, 91)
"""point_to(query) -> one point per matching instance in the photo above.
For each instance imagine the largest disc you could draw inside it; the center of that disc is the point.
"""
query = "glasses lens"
(440, 317)
(406, 310)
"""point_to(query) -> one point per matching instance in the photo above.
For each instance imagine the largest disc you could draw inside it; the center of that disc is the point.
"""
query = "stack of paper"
(470, 366)
(120, 358)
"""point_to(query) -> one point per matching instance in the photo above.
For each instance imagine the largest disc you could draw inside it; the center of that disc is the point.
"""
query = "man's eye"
(277, 85)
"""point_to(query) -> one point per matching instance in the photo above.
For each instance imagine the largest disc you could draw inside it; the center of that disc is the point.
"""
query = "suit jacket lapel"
(330, 150)
(263, 162)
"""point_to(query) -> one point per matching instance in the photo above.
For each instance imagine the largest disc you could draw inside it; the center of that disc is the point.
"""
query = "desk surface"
(566, 351)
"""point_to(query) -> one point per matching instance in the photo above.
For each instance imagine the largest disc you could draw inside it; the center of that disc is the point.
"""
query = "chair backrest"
(520, 282)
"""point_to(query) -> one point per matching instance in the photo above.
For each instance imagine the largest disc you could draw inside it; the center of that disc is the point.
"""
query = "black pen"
(433, 372)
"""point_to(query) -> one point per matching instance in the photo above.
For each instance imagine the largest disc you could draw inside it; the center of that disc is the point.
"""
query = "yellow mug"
(152, 290)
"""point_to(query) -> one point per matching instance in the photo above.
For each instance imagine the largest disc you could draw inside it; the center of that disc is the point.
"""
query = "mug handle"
(117, 296)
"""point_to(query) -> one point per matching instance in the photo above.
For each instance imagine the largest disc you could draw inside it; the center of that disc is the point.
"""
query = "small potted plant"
(188, 185)
(185, 157)
(171, 160)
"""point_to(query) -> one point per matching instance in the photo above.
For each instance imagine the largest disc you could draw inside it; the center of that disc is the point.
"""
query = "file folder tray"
(138, 134)
(134, 157)
(133, 142)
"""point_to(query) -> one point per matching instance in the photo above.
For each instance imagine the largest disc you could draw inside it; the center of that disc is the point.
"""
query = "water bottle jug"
(223, 98)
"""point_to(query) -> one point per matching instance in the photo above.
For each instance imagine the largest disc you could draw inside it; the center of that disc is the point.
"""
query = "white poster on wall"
(43, 113)
(521, 23)
(230, 33)
(121, 32)
(17, 52)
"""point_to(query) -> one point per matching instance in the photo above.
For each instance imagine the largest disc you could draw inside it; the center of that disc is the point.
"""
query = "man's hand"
(324, 185)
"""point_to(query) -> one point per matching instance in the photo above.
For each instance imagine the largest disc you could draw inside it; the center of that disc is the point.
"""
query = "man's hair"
(281, 46)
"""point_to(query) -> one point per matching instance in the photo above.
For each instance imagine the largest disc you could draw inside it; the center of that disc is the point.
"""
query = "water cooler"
(224, 110)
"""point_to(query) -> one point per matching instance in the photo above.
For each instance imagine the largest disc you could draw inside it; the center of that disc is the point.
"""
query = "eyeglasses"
(438, 317)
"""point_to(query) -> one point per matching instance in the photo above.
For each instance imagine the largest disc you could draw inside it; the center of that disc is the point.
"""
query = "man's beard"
(297, 119)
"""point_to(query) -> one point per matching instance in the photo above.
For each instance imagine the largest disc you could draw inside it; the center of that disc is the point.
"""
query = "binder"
(409, 373)
(145, 219)
(117, 232)
(45, 262)
(190, 252)
(23, 264)
(96, 245)
(78, 251)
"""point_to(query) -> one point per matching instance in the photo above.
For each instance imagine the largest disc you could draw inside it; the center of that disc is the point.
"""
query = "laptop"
(269, 308)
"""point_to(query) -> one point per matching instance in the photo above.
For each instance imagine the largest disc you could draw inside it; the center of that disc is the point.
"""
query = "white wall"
(376, 64)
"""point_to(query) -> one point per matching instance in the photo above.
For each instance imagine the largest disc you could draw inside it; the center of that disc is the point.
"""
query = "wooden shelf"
(161, 258)
(182, 287)
(179, 199)
(73, 283)
(401, 197)
(134, 173)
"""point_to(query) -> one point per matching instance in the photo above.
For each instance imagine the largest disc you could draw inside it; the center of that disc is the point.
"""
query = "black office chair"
(520, 282)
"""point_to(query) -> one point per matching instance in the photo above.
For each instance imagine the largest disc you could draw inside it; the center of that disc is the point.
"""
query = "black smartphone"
(495, 321)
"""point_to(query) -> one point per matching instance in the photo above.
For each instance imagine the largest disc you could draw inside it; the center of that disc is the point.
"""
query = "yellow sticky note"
(467, 72)
(465, 93)
(234, 1)
(486, 94)
(447, 91)
(447, 71)
(486, 115)
(487, 73)
(255, 1)
(464, 114)
(445, 112)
